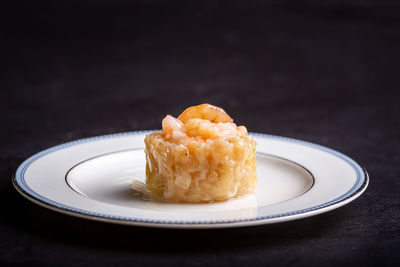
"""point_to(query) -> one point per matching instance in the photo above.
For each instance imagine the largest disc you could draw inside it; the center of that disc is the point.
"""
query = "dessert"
(201, 156)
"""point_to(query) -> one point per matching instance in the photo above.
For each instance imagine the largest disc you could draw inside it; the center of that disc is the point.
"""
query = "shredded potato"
(205, 158)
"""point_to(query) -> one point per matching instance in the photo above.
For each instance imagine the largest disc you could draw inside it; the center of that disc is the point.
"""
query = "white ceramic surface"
(92, 178)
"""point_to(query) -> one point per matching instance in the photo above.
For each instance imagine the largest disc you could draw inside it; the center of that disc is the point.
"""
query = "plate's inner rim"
(134, 149)
(91, 158)
(20, 183)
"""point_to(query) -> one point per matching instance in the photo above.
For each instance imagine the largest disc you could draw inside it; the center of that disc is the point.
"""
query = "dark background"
(321, 71)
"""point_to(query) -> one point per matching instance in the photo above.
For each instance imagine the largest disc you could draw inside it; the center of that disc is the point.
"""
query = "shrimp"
(171, 124)
(205, 112)
(201, 128)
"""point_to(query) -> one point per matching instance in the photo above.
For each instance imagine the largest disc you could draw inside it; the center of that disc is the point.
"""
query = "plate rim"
(355, 191)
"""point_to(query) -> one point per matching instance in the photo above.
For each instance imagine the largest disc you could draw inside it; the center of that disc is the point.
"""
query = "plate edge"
(191, 224)
(235, 224)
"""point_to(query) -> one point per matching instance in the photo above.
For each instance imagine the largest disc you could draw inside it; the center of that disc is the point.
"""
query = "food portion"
(200, 157)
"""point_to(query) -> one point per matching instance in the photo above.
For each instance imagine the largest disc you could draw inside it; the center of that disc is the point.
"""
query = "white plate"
(92, 178)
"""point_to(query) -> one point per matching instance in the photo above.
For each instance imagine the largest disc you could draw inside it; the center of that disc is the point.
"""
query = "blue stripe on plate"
(20, 182)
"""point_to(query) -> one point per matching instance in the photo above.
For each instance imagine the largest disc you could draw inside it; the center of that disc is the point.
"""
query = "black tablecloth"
(322, 71)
